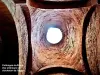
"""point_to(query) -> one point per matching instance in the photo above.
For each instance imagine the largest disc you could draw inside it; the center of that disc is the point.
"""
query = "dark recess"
(61, 4)
(55, 70)
(99, 1)
(9, 41)
(20, 1)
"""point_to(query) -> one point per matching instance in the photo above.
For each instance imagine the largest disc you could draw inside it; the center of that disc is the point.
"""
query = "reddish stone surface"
(68, 52)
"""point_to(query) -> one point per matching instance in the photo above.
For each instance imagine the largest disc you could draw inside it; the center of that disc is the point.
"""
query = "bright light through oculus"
(54, 35)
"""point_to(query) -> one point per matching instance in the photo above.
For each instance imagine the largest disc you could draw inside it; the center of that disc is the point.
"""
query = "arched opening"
(8, 39)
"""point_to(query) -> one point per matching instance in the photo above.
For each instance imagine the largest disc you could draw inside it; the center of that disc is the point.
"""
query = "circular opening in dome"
(54, 35)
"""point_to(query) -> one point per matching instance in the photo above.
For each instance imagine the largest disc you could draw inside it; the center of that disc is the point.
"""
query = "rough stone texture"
(8, 34)
(93, 42)
(98, 37)
(68, 52)
(21, 27)
(23, 39)
(64, 53)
